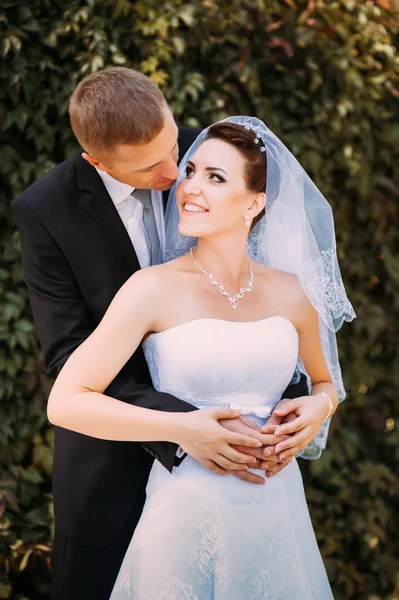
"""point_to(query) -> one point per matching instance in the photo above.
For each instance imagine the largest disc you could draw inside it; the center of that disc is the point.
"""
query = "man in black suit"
(85, 228)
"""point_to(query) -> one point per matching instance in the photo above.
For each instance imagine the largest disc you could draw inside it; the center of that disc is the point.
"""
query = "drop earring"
(247, 220)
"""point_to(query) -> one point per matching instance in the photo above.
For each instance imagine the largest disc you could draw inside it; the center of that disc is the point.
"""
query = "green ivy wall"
(324, 75)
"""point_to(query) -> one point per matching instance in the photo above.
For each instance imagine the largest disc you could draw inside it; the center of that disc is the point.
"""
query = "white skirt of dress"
(203, 536)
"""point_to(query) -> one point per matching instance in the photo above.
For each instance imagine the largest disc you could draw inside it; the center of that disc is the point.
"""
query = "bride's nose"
(191, 187)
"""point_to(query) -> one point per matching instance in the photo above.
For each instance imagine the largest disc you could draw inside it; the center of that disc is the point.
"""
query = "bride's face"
(213, 198)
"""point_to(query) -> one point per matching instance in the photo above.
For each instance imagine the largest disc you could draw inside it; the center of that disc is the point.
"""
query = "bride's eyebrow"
(215, 169)
(191, 164)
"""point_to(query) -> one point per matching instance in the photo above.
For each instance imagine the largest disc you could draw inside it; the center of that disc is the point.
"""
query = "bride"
(242, 216)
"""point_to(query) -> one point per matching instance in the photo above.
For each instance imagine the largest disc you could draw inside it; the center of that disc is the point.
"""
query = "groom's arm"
(63, 321)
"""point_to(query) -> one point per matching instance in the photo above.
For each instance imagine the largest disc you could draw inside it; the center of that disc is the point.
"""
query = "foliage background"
(324, 76)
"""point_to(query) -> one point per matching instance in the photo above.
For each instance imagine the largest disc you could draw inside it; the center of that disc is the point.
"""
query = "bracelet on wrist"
(330, 403)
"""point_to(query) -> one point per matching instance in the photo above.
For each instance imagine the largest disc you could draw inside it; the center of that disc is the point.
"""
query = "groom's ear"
(93, 161)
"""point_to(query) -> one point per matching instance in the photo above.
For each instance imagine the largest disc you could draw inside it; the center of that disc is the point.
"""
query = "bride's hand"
(202, 437)
(274, 420)
(310, 414)
(267, 459)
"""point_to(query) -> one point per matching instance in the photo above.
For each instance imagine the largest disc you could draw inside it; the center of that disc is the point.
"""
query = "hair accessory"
(263, 149)
(256, 140)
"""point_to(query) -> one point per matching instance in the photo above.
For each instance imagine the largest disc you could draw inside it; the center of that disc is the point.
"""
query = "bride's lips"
(191, 208)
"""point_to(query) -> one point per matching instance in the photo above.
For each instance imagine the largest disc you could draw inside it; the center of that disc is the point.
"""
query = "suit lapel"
(98, 203)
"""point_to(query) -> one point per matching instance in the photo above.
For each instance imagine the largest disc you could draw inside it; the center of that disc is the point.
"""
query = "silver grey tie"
(150, 226)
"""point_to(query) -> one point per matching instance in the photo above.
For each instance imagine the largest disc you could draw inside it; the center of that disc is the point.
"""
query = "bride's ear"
(258, 204)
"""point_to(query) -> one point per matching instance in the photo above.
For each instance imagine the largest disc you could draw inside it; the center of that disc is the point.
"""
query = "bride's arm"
(77, 401)
(311, 353)
(311, 410)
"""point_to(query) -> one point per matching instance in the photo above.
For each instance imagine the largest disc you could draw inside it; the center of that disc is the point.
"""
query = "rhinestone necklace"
(232, 299)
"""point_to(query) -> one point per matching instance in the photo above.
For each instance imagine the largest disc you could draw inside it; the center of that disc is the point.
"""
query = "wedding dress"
(203, 536)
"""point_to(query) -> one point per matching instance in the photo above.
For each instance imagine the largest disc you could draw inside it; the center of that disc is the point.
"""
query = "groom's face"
(148, 166)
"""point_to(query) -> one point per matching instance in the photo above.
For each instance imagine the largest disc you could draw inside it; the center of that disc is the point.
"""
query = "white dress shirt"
(130, 211)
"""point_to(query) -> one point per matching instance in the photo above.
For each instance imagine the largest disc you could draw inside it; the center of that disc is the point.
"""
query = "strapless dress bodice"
(212, 362)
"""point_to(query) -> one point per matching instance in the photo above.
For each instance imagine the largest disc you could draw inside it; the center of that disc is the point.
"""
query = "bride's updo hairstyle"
(255, 159)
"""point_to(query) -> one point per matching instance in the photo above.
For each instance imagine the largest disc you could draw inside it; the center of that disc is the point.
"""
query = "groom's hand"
(274, 419)
(272, 465)
(242, 425)
(267, 460)
(201, 435)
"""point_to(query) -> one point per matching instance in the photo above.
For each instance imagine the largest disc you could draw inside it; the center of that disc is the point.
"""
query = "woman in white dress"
(202, 536)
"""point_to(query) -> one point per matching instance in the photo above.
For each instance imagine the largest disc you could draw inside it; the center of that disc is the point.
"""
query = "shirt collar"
(116, 189)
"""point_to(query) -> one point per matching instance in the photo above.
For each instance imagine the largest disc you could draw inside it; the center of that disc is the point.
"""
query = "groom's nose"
(169, 169)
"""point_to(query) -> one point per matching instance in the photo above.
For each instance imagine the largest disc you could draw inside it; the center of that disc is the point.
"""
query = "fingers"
(290, 454)
(269, 451)
(269, 439)
(291, 417)
(283, 409)
(249, 423)
(256, 452)
(292, 427)
(268, 465)
(242, 440)
(249, 477)
(274, 421)
(224, 413)
(212, 466)
(275, 470)
(296, 442)
(270, 462)
(239, 456)
(270, 427)
(228, 464)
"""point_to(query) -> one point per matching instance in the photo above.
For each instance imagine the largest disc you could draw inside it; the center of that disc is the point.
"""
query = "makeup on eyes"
(190, 168)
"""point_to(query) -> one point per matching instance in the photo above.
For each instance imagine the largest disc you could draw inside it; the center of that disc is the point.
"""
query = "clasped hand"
(295, 423)
(225, 442)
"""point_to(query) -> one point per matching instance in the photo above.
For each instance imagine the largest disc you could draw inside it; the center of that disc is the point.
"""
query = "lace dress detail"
(206, 537)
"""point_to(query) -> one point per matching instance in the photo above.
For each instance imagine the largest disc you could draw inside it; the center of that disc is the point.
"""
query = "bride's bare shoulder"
(276, 276)
(154, 279)
(285, 284)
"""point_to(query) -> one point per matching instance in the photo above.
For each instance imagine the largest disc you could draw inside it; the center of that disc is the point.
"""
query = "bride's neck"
(227, 261)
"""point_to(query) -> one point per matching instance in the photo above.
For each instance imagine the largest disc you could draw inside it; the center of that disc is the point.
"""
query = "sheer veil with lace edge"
(296, 235)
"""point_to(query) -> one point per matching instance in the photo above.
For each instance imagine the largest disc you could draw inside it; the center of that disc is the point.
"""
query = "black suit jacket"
(76, 254)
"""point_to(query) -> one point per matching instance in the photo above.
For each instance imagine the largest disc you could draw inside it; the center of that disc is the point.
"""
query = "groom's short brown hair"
(115, 106)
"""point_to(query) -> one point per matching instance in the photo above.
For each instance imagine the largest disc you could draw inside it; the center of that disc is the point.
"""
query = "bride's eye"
(218, 178)
(189, 171)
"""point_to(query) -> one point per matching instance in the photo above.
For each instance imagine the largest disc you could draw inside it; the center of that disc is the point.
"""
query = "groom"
(85, 228)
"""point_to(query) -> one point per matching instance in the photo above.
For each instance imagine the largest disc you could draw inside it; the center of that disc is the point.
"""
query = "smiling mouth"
(194, 208)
